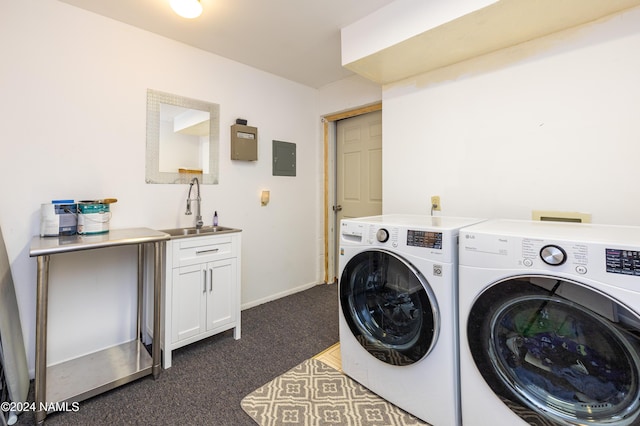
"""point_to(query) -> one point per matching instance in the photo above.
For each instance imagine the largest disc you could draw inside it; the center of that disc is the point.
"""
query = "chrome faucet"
(197, 200)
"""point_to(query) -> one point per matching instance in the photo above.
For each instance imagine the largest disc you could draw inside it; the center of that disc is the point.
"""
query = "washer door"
(389, 306)
(554, 350)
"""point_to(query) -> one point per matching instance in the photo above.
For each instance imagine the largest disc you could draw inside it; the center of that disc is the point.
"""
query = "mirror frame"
(153, 173)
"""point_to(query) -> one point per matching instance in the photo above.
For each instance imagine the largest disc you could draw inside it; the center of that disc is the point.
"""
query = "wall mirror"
(182, 139)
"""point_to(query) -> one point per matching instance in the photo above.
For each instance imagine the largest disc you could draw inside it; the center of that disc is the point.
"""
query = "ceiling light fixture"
(187, 8)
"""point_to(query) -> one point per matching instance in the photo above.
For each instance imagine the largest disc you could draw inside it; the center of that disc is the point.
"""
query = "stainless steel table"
(82, 377)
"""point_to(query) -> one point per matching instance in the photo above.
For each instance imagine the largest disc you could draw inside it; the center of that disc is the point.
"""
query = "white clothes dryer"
(549, 324)
(397, 324)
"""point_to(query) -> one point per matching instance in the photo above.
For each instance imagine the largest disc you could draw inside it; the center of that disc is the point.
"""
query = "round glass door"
(567, 353)
(389, 307)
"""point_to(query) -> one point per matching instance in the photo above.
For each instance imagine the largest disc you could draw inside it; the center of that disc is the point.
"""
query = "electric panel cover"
(284, 158)
(244, 143)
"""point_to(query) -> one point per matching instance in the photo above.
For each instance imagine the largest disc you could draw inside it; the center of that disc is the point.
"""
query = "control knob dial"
(382, 235)
(553, 255)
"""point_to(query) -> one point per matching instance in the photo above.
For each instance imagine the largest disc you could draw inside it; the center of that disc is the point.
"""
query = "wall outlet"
(435, 203)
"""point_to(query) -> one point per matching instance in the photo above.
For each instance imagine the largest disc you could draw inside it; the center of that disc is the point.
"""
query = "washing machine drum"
(389, 307)
(557, 350)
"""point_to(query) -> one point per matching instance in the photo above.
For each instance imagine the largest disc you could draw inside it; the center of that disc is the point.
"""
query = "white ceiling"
(295, 39)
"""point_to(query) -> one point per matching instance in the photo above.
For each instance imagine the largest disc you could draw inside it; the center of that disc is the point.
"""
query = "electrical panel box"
(284, 158)
(244, 143)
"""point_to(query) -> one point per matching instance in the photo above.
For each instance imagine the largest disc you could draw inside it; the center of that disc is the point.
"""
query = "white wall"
(73, 117)
(348, 94)
(551, 124)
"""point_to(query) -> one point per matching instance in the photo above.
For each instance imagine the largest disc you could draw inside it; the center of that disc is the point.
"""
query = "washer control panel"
(426, 239)
(382, 235)
(391, 235)
(418, 237)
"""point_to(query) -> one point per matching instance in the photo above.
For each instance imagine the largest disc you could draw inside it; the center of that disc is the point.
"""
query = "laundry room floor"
(209, 378)
(331, 357)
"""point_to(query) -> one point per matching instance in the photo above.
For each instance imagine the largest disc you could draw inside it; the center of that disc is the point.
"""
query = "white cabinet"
(202, 289)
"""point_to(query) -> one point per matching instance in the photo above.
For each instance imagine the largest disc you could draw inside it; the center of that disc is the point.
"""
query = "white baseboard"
(278, 295)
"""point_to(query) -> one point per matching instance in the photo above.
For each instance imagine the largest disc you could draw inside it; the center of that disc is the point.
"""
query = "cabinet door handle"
(204, 281)
(210, 279)
(207, 251)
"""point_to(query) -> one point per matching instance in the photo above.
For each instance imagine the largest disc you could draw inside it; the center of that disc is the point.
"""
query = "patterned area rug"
(313, 393)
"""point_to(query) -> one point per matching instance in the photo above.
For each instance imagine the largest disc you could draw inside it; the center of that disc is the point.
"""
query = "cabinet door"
(221, 296)
(188, 301)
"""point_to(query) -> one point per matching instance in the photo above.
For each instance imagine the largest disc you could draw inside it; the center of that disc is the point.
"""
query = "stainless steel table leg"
(141, 268)
(157, 306)
(41, 338)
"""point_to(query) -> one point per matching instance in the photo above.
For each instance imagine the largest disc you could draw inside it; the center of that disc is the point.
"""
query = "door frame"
(329, 138)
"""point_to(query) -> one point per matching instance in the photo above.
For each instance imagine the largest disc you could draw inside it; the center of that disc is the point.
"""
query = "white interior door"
(359, 166)
(358, 169)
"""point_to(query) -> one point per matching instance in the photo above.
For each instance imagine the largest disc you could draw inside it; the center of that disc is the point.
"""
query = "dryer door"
(558, 351)
(389, 306)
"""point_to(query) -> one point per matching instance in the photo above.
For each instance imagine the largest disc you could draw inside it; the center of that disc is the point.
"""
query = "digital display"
(626, 262)
(424, 239)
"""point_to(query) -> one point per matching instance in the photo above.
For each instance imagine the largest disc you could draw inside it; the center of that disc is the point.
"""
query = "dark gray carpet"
(209, 378)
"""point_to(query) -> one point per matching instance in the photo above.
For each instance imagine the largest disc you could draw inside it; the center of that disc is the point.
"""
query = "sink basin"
(193, 231)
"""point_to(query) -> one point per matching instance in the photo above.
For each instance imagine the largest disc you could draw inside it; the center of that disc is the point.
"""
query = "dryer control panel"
(598, 252)
(626, 262)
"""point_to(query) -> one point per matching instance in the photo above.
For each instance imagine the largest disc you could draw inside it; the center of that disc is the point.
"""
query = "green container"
(93, 218)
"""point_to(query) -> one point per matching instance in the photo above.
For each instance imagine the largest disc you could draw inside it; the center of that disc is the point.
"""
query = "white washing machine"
(398, 332)
(549, 324)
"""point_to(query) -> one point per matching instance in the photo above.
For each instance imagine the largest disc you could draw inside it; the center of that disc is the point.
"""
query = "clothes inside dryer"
(559, 357)
(389, 307)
